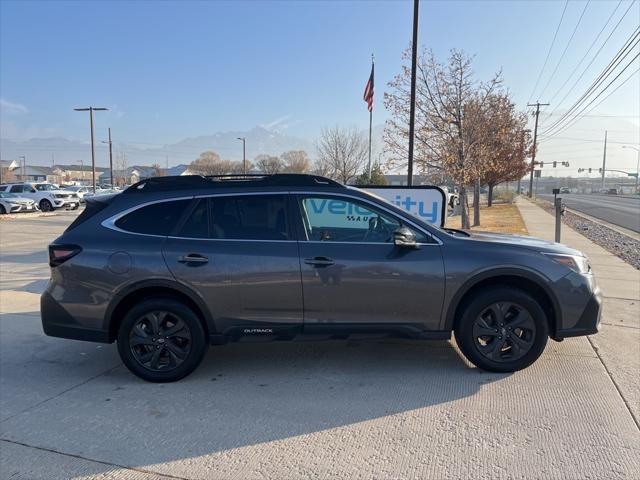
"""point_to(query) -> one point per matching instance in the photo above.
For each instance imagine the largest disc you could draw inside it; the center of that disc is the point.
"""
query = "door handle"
(193, 258)
(319, 261)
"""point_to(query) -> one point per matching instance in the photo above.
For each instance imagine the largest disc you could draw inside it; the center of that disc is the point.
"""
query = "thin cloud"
(278, 124)
(12, 108)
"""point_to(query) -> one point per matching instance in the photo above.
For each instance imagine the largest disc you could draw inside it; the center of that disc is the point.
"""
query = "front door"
(352, 273)
(238, 252)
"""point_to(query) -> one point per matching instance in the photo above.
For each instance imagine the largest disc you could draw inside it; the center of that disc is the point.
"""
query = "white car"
(80, 190)
(45, 195)
(12, 203)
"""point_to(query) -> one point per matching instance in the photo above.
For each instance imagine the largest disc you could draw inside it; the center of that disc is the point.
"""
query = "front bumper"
(589, 321)
(68, 203)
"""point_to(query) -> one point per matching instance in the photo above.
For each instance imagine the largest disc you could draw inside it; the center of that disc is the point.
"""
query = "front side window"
(336, 219)
(155, 219)
(241, 217)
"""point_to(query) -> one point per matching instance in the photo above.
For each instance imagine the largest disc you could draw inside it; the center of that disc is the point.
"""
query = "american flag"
(368, 91)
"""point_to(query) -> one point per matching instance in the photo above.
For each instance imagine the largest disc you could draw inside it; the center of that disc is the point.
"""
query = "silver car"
(12, 203)
(175, 264)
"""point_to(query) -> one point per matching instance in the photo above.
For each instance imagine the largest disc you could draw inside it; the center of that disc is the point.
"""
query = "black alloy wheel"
(501, 329)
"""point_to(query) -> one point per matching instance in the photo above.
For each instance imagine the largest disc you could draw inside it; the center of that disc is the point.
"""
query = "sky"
(169, 70)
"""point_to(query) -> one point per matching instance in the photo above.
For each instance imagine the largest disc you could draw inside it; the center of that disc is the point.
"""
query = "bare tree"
(344, 150)
(295, 161)
(450, 109)
(209, 163)
(157, 170)
(269, 164)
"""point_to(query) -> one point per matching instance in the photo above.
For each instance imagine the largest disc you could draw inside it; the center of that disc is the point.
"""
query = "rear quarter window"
(155, 219)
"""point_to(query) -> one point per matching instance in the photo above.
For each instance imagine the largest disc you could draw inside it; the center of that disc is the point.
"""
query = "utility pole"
(93, 149)
(412, 106)
(604, 158)
(244, 154)
(535, 143)
(110, 158)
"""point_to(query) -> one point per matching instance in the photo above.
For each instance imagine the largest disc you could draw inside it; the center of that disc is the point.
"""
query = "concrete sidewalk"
(618, 343)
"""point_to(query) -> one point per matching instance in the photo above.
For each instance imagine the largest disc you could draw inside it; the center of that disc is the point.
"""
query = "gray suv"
(174, 264)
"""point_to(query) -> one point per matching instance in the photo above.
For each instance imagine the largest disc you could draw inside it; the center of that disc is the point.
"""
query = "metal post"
(558, 205)
(244, 153)
(412, 106)
(604, 159)
(93, 150)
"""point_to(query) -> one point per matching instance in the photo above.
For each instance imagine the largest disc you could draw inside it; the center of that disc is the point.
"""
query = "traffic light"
(541, 164)
(555, 164)
(600, 170)
(589, 170)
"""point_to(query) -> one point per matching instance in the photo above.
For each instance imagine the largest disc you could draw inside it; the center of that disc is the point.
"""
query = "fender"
(522, 272)
(164, 283)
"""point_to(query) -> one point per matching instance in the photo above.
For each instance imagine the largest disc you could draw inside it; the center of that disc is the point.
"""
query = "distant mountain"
(259, 140)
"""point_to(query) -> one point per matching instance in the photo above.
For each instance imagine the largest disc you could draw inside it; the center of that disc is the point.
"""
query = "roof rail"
(186, 182)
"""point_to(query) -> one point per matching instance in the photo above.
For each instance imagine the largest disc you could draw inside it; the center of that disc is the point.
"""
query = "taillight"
(59, 254)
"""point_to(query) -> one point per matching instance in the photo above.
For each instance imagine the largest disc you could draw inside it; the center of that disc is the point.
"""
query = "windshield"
(46, 186)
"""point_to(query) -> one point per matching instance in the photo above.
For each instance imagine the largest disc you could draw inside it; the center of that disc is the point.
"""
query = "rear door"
(352, 273)
(239, 253)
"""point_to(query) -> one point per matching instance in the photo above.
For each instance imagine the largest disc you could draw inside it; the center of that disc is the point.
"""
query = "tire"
(146, 349)
(502, 329)
(45, 206)
(2, 210)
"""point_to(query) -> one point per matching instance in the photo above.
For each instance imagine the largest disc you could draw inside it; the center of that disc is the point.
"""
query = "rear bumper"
(56, 322)
(589, 321)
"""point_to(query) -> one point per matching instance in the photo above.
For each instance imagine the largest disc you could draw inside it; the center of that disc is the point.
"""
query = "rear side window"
(155, 219)
(242, 217)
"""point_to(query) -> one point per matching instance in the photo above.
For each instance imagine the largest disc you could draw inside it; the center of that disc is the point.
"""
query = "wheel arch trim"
(168, 284)
(497, 273)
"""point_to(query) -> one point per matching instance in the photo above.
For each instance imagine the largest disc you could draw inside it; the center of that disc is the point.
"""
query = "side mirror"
(404, 237)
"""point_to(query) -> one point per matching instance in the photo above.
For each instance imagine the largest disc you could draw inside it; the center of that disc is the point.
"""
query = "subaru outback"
(175, 264)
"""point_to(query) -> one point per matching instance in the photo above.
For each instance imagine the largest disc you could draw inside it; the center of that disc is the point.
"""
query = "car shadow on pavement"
(240, 396)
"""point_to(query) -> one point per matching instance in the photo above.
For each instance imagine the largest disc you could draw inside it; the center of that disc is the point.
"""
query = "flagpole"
(370, 127)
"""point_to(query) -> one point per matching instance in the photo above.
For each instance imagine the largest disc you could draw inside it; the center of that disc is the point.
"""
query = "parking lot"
(344, 409)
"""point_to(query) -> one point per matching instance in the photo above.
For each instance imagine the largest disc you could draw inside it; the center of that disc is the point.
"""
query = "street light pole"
(93, 149)
(637, 164)
(412, 104)
(244, 154)
(23, 166)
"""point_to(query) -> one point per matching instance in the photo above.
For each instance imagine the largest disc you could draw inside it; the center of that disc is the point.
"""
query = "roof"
(79, 168)
(186, 182)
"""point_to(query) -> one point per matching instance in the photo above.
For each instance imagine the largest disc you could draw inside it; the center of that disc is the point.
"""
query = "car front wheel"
(45, 206)
(502, 329)
(161, 340)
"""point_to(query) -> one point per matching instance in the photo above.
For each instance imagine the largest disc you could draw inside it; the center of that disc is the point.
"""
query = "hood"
(532, 243)
(19, 200)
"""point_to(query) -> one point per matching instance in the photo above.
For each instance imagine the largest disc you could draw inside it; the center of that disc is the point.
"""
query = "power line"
(555, 35)
(577, 115)
(565, 49)
(576, 118)
(585, 55)
(613, 64)
(606, 40)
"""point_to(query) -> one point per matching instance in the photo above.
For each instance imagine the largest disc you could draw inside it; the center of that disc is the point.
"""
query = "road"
(311, 410)
(618, 210)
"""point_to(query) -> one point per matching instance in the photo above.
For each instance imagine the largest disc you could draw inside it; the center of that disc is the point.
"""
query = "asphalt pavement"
(358, 409)
(623, 211)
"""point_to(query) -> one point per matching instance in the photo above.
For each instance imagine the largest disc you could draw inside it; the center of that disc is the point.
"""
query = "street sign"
(428, 203)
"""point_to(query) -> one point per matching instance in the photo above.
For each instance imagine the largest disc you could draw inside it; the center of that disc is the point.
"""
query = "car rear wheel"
(502, 329)
(161, 340)
(45, 206)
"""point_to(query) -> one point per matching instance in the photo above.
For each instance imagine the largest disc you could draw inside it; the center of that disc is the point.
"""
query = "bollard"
(559, 211)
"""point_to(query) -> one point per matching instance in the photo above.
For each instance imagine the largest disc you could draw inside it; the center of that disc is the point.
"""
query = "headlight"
(575, 262)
